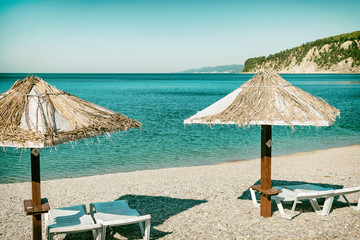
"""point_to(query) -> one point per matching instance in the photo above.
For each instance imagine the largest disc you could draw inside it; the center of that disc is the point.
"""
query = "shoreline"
(204, 202)
(286, 155)
(198, 165)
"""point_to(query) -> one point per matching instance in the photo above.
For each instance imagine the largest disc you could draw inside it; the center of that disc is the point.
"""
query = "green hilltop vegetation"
(234, 68)
(339, 53)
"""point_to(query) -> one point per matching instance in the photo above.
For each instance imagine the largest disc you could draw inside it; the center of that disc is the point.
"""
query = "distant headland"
(234, 68)
(337, 54)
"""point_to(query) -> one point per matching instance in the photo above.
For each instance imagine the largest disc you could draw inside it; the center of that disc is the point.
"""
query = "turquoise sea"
(161, 102)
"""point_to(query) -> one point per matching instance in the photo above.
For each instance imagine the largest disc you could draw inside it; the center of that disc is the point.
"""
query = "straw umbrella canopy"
(267, 99)
(34, 114)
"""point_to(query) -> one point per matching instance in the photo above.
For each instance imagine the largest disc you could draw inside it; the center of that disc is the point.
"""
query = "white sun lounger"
(117, 213)
(328, 195)
(70, 219)
(337, 192)
(310, 192)
(295, 196)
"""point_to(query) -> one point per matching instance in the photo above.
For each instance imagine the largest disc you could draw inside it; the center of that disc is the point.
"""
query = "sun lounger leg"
(253, 198)
(97, 234)
(141, 228)
(147, 229)
(280, 207)
(315, 205)
(326, 208)
(50, 236)
(46, 226)
(327, 205)
(103, 234)
(292, 210)
(282, 211)
(358, 205)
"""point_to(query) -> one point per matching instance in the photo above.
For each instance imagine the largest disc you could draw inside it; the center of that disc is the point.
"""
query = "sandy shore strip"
(203, 202)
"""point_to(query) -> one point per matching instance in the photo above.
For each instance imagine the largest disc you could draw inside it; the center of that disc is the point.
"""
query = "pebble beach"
(204, 202)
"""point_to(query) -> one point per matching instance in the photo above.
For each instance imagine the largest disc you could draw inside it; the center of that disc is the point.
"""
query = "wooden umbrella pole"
(36, 195)
(265, 200)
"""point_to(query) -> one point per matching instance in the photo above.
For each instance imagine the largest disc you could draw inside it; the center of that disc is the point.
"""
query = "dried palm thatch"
(267, 99)
(35, 114)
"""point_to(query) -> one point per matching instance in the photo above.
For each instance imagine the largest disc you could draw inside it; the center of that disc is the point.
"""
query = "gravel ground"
(204, 202)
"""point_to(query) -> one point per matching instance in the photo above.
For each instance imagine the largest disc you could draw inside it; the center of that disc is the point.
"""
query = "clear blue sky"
(160, 36)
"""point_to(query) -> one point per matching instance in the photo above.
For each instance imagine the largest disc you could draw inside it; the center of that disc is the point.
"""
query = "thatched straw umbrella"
(34, 114)
(267, 99)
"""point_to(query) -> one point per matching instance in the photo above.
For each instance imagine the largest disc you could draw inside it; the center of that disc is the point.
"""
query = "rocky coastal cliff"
(337, 54)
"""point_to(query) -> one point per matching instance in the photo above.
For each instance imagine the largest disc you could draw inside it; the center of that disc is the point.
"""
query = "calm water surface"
(161, 102)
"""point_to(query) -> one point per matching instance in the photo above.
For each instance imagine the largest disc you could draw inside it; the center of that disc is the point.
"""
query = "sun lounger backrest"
(320, 194)
(347, 190)
(70, 219)
(113, 207)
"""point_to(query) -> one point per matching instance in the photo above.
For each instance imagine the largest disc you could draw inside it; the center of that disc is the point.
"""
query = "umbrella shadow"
(159, 207)
(305, 205)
